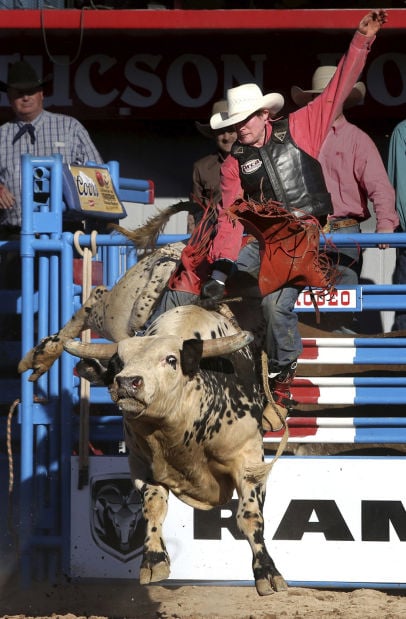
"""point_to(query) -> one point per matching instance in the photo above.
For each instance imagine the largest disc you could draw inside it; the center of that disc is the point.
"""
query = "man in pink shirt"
(354, 173)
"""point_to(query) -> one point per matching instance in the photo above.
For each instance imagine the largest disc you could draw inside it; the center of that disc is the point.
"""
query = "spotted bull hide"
(192, 409)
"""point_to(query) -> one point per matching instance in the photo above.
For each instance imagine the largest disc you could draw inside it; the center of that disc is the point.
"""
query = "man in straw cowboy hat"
(354, 173)
(271, 160)
(206, 171)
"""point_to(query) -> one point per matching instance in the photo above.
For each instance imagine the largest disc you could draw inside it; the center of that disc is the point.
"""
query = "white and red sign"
(341, 299)
(329, 521)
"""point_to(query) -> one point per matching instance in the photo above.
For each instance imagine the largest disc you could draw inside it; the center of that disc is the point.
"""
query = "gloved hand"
(211, 294)
(213, 291)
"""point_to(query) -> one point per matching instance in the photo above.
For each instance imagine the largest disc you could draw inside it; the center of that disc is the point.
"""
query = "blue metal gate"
(48, 423)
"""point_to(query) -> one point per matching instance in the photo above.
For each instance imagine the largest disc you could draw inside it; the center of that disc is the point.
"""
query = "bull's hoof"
(264, 587)
(154, 573)
(267, 587)
(279, 583)
(41, 357)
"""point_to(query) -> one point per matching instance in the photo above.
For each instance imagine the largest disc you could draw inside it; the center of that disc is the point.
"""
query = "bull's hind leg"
(250, 521)
(43, 355)
(155, 564)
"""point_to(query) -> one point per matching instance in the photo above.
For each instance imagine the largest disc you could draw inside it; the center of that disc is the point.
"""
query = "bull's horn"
(102, 352)
(226, 345)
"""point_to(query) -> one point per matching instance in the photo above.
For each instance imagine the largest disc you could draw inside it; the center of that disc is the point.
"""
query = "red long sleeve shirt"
(309, 127)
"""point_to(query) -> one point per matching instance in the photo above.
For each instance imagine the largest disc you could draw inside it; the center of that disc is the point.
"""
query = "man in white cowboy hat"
(206, 171)
(270, 160)
(354, 173)
(278, 160)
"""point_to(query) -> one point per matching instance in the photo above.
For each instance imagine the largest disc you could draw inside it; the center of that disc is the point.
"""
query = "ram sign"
(336, 521)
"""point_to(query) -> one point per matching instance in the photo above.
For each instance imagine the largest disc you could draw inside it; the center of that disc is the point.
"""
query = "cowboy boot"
(275, 412)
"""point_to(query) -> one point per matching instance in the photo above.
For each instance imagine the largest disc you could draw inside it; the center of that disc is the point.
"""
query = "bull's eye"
(171, 360)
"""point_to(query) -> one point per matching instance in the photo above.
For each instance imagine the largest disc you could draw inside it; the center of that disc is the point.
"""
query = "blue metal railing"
(47, 412)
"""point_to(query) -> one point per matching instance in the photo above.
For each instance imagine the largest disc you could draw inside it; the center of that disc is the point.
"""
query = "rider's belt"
(336, 224)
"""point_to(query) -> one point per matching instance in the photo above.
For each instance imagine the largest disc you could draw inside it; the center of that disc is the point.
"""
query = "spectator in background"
(206, 171)
(37, 132)
(355, 174)
(397, 175)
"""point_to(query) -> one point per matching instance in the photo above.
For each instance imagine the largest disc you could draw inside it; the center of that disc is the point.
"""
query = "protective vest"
(281, 171)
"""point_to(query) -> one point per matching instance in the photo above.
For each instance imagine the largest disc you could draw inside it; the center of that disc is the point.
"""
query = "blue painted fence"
(47, 423)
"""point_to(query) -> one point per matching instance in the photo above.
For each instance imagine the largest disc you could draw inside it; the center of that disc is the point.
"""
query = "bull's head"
(152, 372)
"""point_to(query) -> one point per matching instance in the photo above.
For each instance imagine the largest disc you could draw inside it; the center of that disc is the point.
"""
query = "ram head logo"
(117, 523)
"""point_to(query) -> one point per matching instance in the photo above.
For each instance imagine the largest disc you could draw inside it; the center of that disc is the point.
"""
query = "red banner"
(179, 75)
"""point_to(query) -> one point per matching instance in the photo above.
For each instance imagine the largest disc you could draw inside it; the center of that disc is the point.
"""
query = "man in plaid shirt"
(37, 132)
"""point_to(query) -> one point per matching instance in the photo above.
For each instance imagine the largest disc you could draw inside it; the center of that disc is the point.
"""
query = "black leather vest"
(281, 171)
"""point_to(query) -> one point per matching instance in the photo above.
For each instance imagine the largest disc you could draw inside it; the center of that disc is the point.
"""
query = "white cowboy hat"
(218, 108)
(320, 79)
(243, 101)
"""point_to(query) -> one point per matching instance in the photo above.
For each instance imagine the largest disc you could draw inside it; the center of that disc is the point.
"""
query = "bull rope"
(271, 404)
(87, 255)
(224, 310)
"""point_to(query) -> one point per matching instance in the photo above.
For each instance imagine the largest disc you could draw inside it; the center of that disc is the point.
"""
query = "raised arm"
(372, 22)
(310, 124)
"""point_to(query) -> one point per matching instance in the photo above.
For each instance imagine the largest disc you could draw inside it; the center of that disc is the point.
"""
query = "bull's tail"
(145, 237)
(258, 473)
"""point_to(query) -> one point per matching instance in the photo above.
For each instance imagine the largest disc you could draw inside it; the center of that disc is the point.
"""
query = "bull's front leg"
(155, 564)
(250, 520)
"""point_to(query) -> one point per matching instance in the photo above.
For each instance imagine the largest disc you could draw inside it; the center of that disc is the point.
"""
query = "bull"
(200, 451)
(192, 407)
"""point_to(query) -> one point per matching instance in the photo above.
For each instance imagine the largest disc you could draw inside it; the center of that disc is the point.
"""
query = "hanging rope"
(10, 512)
(10, 447)
(10, 515)
(87, 255)
(271, 408)
(50, 56)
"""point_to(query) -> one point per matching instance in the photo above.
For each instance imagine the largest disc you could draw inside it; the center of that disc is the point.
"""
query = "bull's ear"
(190, 356)
(97, 373)
(92, 370)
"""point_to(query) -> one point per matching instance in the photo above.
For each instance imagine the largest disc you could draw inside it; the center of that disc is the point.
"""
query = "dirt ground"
(113, 601)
